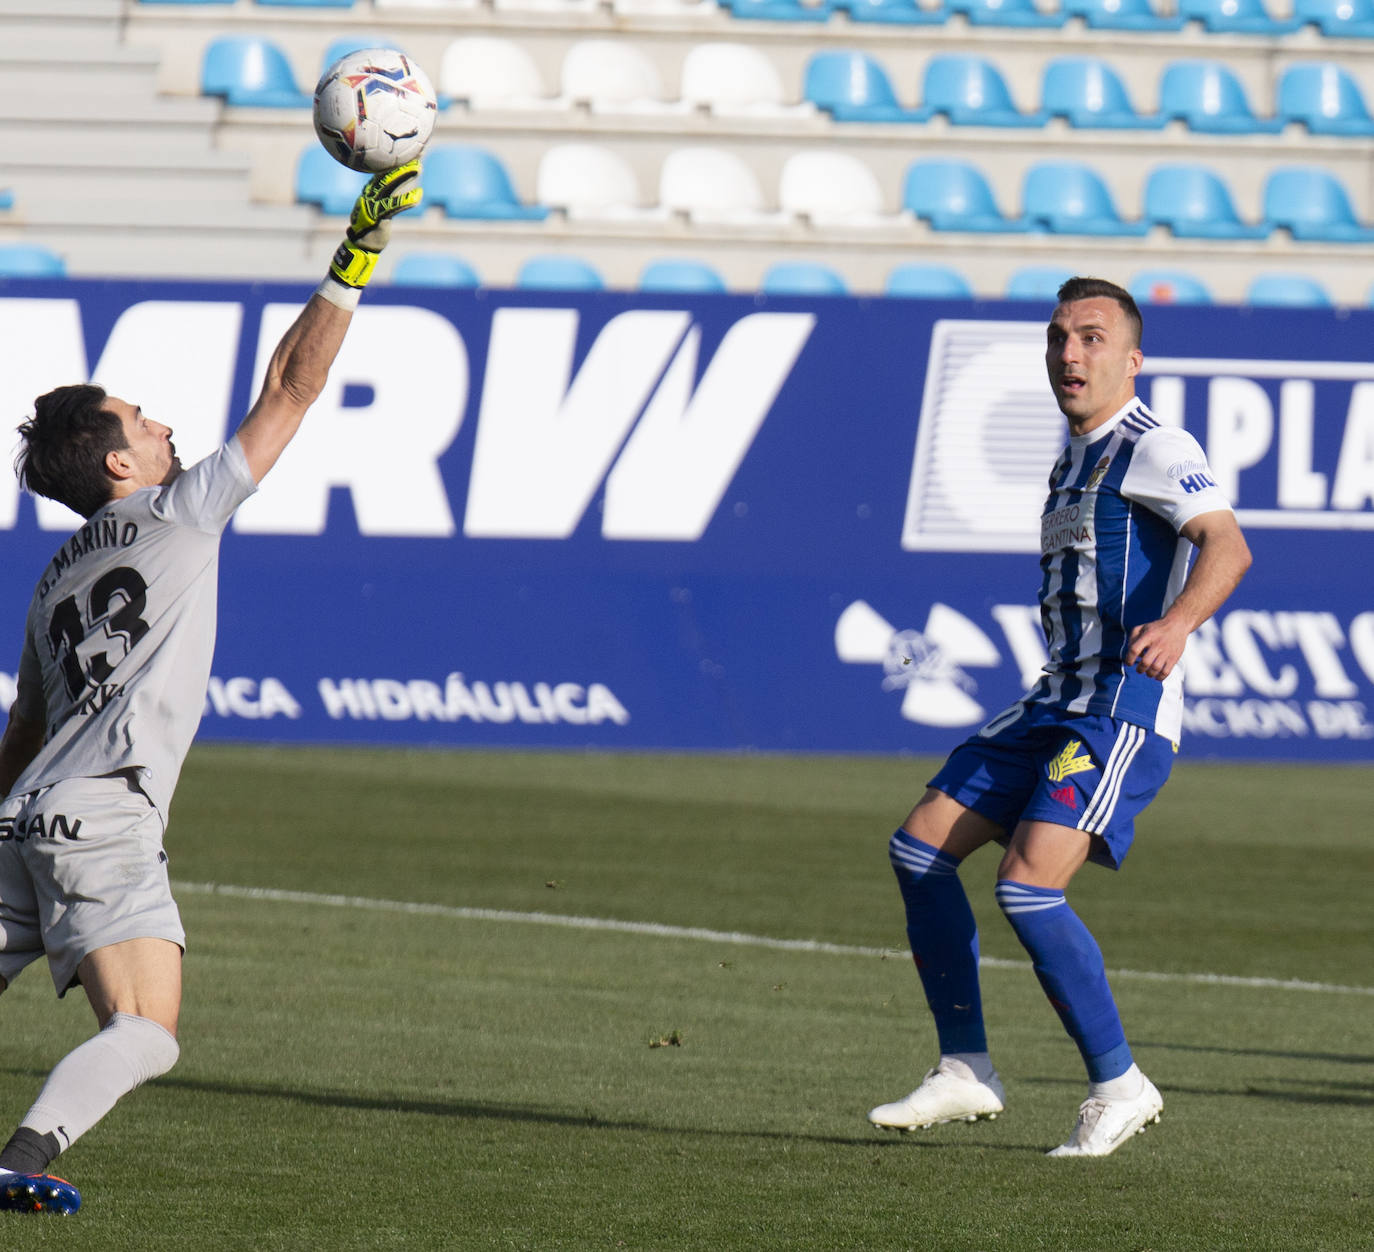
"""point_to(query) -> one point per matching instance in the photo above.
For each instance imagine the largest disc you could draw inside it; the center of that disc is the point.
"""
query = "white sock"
(976, 1066)
(1123, 1087)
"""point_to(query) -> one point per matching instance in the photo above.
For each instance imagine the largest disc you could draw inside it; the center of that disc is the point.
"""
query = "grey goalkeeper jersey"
(121, 631)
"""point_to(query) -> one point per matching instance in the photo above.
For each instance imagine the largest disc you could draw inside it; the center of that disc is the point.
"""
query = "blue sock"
(944, 940)
(1068, 963)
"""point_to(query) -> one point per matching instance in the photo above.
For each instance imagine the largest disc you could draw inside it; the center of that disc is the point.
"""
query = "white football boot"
(949, 1093)
(1103, 1125)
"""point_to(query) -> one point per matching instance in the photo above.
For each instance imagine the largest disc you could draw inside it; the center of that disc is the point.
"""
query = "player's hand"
(1154, 648)
(369, 225)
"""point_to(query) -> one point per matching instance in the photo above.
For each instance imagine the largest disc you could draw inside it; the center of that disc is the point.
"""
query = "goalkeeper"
(112, 679)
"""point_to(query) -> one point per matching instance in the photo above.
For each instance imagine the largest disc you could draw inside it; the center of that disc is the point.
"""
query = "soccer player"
(112, 679)
(1059, 777)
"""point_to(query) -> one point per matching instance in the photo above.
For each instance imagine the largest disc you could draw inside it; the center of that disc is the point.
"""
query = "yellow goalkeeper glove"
(369, 225)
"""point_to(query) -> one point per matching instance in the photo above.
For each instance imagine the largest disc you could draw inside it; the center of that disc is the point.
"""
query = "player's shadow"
(1289, 1090)
(478, 1110)
(1283, 1054)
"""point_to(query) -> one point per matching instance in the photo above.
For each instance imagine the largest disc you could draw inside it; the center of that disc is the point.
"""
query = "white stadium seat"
(712, 185)
(733, 79)
(487, 72)
(832, 189)
(589, 181)
(613, 76)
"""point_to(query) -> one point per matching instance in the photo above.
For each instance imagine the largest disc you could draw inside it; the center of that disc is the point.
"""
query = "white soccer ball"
(374, 109)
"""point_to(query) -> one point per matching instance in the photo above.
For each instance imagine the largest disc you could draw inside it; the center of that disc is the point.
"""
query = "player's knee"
(150, 1049)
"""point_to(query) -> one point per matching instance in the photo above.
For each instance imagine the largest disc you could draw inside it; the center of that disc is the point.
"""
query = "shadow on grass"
(1285, 1090)
(1333, 1058)
(478, 1110)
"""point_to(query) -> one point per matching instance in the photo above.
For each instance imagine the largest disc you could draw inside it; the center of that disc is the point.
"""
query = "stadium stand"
(696, 108)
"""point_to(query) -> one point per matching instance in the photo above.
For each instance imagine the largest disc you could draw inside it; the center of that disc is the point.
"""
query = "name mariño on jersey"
(107, 532)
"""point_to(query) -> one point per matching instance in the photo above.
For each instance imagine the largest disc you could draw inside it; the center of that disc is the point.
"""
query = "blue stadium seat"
(1312, 204)
(854, 87)
(321, 180)
(934, 282)
(1323, 97)
(896, 12)
(306, 4)
(470, 182)
(1090, 95)
(802, 278)
(680, 275)
(6, 199)
(249, 72)
(434, 269)
(1037, 282)
(1349, 19)
(226, 3)
(1022, 13)
(1210, 99)
(560, 273)
(1293, 290)
(1136, 15)
(1235, 17)
(1194, 203)
(28, 260)
(1069, 198)
(1168, 287)
(971, 91)
(953, 195)
(779, 10)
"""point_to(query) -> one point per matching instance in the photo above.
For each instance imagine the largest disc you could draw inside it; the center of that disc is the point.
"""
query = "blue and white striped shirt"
(1112, 559)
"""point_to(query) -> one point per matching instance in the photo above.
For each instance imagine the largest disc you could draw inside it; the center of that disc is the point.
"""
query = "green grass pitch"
(357, 1074)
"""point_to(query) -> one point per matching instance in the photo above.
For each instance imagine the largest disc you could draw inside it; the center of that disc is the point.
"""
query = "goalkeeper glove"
(369, 225)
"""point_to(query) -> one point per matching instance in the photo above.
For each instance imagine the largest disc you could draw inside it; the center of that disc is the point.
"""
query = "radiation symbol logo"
(927, 665)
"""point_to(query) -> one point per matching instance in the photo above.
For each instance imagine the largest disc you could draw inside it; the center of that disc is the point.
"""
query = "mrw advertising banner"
(707, 522)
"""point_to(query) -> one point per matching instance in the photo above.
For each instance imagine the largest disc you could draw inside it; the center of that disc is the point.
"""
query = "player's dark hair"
(64, 447)
(1101, 289)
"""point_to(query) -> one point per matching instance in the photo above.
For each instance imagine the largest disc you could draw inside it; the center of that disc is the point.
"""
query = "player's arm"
(299, 367)
(1222, 558)
(18, 746)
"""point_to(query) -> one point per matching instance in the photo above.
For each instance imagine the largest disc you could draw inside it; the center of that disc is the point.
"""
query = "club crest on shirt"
(1068, 762)
(1098, 474)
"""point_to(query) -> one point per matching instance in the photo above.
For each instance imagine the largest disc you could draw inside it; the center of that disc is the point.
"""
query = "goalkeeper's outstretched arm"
(300, 365)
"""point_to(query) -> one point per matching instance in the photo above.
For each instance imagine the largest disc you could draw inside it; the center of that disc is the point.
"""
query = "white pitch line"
(737, 938)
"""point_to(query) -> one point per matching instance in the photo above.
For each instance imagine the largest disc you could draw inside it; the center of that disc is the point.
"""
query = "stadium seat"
(1312, 205)
(1349, 19)
(831, 188)
(487, 72)
(802, 278)
(853, 86)
(434, 269)
(1037, 282)
(680, 275)
(971, 91)
(711, 185)
(321, 180)
(6, 200)
(249, 72)
(953, 195)
(1209, 97)
(1068, 198)
(470, 182)
(733, 79)
(611, 75)
(1194, 203)
(779, 10)
(1089, 94)
(938, 282)
(1325, 98)
(1022, 13)
(1168, 287)
(560, 273)
(896, 12)
(306, 4)
(1293, 290)
(1133, 15)
(1235, 17)
(29, 260)
(587, 180)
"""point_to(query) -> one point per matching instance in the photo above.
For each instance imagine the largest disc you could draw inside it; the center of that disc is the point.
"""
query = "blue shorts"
(1039, 764)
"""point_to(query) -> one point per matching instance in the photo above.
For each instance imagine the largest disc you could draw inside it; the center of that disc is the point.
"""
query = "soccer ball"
(374, 109)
